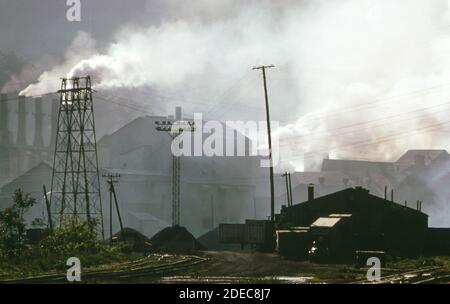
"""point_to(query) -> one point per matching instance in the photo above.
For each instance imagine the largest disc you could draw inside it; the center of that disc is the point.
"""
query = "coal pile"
(130, 235)
(139, 242)
(175, 239)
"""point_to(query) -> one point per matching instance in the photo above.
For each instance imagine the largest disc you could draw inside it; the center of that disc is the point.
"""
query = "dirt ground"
(253, 267)
(246, 263)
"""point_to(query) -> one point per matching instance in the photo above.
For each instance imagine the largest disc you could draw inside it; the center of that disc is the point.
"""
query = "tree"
(13, 226)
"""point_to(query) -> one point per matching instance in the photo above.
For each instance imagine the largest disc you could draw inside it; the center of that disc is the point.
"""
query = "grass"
(19, 267)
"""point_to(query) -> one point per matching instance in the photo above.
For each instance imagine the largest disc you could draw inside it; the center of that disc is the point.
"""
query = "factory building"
(213, 189)
(416, 175)
(374, 223)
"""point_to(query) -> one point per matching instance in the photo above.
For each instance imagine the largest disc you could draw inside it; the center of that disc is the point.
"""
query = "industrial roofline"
(360, 189)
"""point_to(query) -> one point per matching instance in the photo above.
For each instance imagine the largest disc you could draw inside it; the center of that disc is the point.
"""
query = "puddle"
(235, 279)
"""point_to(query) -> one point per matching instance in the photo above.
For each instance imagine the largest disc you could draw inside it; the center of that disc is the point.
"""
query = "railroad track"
(424, 275)
(135, 269)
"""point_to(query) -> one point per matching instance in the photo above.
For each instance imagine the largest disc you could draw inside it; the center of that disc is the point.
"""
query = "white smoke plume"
(331, 57)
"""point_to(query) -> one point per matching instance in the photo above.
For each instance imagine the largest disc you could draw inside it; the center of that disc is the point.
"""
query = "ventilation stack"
(4, 138)
(54, 122)
(4, 112)
(38, 117)
(310, 193)
(178, 115)
(22, 122)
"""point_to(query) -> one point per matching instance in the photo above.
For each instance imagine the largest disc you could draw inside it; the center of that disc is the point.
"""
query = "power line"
(378, 140)
(379, 101)
(326, 134)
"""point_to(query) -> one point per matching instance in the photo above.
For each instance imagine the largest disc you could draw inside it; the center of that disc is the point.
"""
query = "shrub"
(69, 238)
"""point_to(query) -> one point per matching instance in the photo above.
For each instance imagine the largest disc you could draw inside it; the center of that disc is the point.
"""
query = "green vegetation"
(74, 238)
(12, 225)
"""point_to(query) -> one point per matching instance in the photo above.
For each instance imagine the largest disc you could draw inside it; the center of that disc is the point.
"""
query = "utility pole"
(290, 187)
(49, 212)
(272, 190)
(112, 179)
(175, 129)
(288, 195)
(212, 211)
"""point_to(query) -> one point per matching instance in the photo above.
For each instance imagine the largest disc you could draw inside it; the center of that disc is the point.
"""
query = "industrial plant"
(141, 166)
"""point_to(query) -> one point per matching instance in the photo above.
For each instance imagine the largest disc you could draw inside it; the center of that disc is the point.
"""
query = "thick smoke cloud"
(340, 65)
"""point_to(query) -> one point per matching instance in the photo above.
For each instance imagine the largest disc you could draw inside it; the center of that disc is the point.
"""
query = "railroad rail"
(134, 269)
(419, 276)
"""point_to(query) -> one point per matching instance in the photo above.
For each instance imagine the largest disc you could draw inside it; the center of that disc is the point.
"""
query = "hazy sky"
(346, 76)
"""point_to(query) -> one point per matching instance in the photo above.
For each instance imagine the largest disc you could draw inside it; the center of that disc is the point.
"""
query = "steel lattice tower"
(175, 129)
(75, 186)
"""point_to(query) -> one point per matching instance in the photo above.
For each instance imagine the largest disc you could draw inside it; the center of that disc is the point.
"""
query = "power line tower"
(112, 179)
(75, 189)
(174, 129)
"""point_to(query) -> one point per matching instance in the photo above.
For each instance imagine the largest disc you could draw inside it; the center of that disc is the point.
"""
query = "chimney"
(392, 195)
(178, 113)
(38, 117)
(54, 122)
(310, 192)
(4, 129)
(22, 122)
(385, 193)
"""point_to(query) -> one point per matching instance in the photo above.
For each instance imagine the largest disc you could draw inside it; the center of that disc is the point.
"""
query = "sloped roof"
(408, 159)
(363, 195)
(327, 222)
(354, 165)
(430, 155)
(327, 177)
(33, 172)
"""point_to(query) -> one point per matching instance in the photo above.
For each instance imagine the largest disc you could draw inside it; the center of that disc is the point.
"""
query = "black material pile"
(140, 242)
(130, 235)
(175, 239)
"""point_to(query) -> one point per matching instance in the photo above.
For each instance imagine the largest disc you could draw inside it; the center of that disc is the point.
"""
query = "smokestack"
(22, 122)
(392, 195)
(38, 117)
(4, 129)
(178, 113)
(54, 121)
(310, 192)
